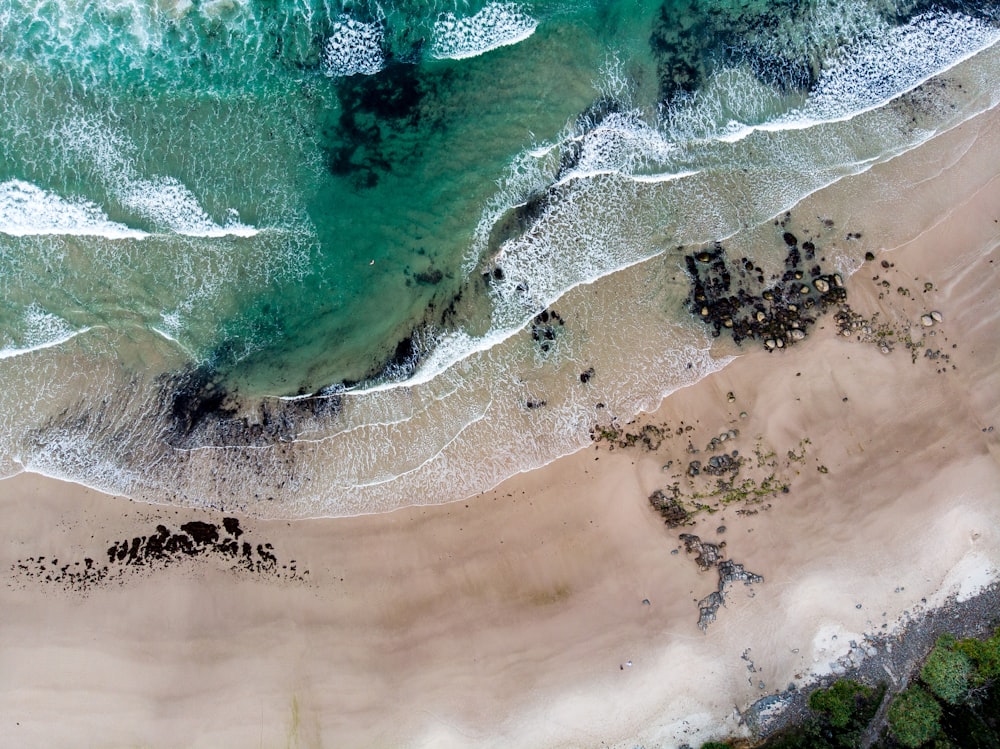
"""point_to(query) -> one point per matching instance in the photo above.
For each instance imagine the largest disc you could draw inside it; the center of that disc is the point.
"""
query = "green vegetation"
(954, 705)
(842, 713)
(984, 655)
(914, 717)
(840, 702)
(946, 671)
(716, 745)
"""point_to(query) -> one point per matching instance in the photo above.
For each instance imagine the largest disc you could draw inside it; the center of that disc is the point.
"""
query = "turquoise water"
(220, 205)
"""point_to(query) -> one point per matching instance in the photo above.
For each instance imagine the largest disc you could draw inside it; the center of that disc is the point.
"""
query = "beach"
(558, 609)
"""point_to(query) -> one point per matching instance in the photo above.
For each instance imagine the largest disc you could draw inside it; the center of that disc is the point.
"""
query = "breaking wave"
(496, 25)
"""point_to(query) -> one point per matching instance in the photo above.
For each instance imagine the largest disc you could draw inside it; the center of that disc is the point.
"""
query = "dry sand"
(509, 619)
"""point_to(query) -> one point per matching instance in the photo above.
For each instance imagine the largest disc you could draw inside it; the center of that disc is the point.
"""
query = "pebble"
(926, 320)
(936, 316)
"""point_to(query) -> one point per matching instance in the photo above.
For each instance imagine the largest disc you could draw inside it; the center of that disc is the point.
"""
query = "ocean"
(319, 259)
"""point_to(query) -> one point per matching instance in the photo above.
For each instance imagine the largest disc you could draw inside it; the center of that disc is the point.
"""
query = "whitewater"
(296, 263)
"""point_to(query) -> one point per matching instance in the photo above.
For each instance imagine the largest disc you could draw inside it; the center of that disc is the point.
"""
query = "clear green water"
(280, 193)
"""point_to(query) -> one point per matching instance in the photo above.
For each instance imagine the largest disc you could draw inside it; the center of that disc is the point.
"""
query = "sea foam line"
(10, 353)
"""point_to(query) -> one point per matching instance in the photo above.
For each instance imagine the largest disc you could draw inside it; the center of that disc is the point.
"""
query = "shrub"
(985, 656)
(946, 671)
(716, 745)
(914, 717)
(840, 701)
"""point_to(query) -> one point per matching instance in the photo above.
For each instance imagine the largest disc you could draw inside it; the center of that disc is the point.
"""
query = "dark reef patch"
(690, 39)
(159, 549)
(202, 411)
(382, 121)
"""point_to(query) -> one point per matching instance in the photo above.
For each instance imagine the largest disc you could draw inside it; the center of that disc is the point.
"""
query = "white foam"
(496, 25)
(165, 201)
(41, 330)
(354, 48)
(28, 210)
(622, 143)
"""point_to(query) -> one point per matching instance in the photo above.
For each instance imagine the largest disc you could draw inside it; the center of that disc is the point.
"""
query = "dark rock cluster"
(161, 548)
(710, 555)
(670, 507)
(544, 329)
(737, 298)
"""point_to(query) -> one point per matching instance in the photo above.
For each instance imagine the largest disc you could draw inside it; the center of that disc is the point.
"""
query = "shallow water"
(209, 212)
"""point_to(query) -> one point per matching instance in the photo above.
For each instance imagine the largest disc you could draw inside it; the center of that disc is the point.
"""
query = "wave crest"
(496, 25)
(354, 48)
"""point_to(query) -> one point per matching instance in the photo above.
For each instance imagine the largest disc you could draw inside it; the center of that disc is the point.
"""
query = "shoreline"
(509, 618)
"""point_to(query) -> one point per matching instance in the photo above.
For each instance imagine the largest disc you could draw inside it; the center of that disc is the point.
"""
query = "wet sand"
(511, 618)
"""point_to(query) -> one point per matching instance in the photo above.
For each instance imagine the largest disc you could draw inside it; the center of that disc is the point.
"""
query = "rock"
(707, 609)
(926, 320)
(670, 508)
(770, 343)
(821, 286)
(936, 316)
(708, 554)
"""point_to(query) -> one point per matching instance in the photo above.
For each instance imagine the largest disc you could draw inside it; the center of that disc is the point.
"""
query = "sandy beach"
(558, 610)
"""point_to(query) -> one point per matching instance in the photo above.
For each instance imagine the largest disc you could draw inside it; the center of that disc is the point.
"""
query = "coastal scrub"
(914, 717)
